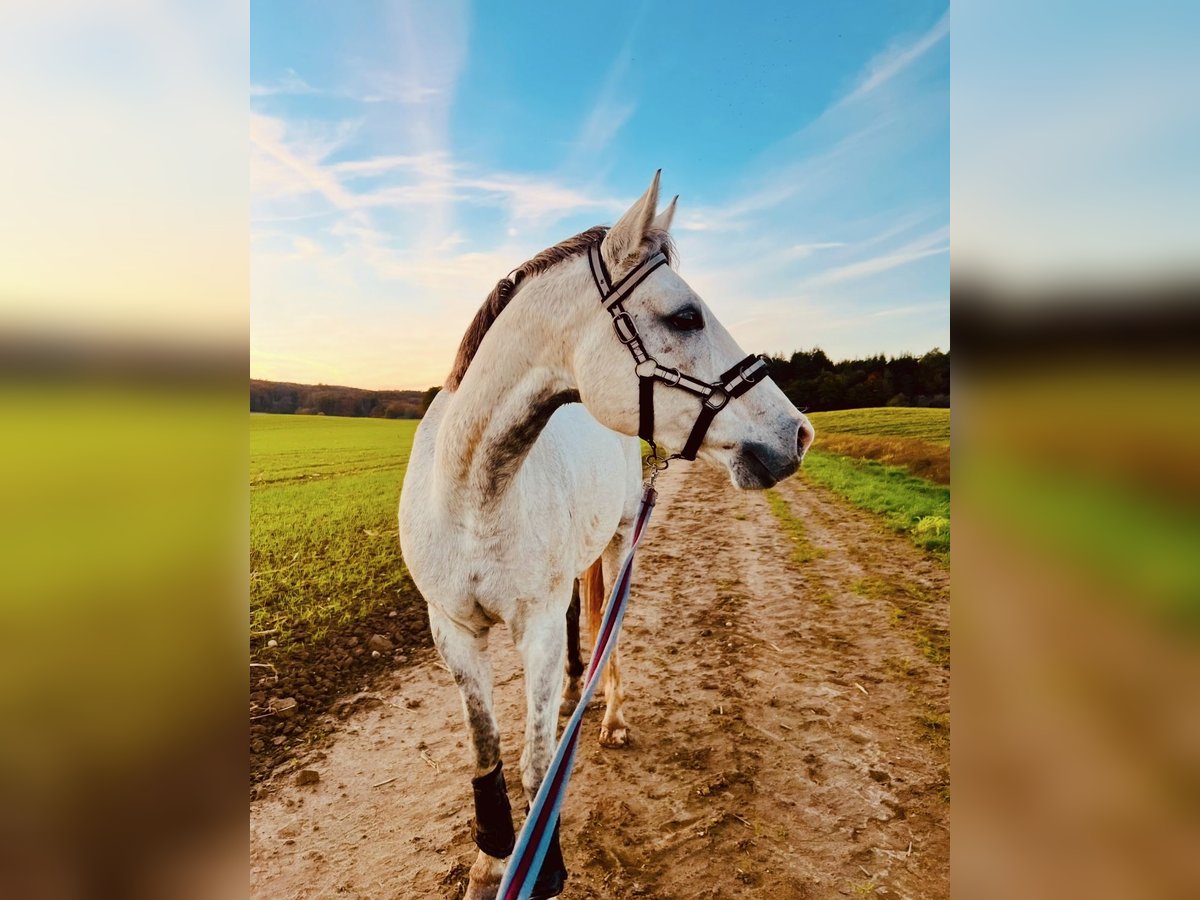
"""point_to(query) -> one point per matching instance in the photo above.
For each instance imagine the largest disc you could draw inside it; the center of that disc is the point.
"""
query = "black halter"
(715, 395)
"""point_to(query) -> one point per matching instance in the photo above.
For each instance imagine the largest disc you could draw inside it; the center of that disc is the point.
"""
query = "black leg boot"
(553, 876)
(493, 814)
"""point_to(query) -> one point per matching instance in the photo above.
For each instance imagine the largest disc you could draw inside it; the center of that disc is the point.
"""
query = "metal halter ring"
(646, 367)
(716, 400)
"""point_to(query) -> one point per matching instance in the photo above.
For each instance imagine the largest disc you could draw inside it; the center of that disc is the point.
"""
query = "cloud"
(288, 83)
(406, 88)
(932, 244)
(898, 57)
(778, 184)
(287, 165)
(613, 107)
(432, 165)
(283, 165)
(803, 251)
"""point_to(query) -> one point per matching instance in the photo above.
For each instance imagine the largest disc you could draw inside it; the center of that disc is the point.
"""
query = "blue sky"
(404, 156)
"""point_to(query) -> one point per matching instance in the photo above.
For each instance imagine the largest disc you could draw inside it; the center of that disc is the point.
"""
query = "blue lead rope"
(527, 856)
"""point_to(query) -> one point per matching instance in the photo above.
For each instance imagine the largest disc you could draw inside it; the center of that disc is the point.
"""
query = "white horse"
(525, 477)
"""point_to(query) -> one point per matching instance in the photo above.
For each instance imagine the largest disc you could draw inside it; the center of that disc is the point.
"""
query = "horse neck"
(520, 375)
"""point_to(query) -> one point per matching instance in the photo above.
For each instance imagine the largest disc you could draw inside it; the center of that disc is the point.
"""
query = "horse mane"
(506, 289)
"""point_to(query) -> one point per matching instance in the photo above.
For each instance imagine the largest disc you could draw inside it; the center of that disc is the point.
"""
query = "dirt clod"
(285, 707)
(380, 644)
(308, 776)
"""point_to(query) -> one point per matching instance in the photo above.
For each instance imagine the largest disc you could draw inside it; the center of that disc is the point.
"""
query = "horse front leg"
(541, 642)
(465, 654)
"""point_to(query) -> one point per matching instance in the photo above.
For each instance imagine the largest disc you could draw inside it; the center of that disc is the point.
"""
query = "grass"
(935, 728)
(914, 439)
(802, 549)
(930, 425)
(921, 458)
(891, 461)
(907, 600)
(908, 504)
(324, 547)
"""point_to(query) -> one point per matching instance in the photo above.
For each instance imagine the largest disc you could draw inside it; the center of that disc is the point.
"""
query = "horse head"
(758, 436)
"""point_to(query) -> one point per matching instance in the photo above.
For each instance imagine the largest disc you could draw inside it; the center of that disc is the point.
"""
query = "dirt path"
(789, 722)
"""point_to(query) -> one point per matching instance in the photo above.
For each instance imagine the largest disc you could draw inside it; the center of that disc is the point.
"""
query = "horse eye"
(688, 319)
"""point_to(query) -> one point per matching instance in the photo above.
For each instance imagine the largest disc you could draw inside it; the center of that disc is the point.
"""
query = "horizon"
(420, 390)
(399, 170)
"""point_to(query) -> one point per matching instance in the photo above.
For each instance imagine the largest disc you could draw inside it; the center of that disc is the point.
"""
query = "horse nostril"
(805, 438)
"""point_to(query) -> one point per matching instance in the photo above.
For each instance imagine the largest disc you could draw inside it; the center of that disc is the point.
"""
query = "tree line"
(336, 400)
(809, 378)
(814, 382)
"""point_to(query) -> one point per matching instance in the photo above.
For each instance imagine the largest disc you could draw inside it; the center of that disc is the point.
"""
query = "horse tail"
(592, 587)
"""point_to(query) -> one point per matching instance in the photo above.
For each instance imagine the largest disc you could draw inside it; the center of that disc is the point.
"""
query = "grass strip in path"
(910, 505)
(802, 549)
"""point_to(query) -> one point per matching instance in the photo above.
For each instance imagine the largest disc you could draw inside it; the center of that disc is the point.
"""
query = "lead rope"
(531, 847)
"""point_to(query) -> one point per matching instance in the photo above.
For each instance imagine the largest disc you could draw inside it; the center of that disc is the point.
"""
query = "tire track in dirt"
(780, 715)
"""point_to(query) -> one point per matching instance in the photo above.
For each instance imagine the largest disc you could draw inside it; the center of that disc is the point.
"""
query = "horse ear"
(662, 222)
(622, 245)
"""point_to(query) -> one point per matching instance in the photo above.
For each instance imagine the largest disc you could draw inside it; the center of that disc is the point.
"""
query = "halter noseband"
(715, 395)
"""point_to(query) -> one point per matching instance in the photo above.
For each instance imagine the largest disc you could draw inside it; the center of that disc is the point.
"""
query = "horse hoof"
(614, 738)
(552, 887)
(567, 706)
(485, 876)
(482, 891)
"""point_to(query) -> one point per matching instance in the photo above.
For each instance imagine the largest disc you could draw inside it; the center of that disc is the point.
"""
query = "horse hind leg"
(465, 654)
(573, 683)
(614, 730)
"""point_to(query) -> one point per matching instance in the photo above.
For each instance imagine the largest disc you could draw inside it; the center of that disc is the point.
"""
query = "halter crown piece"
(715, 395)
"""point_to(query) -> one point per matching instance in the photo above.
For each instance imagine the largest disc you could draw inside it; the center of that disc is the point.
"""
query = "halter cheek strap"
(715, 395)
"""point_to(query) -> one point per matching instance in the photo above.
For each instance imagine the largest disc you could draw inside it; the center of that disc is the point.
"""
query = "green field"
(324, 549)
(909, 504)
(931, 425)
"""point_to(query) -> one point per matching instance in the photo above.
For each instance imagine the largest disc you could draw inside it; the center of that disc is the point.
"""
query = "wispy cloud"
(375, 87)
(803, 251)
(431, 165)
(932, 244)
(288, 166)
(288, 83)
(615, 104)
(285, 165)
(898, 57)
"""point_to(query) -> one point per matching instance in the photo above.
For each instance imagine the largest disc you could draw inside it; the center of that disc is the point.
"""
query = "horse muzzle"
(758, 466)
